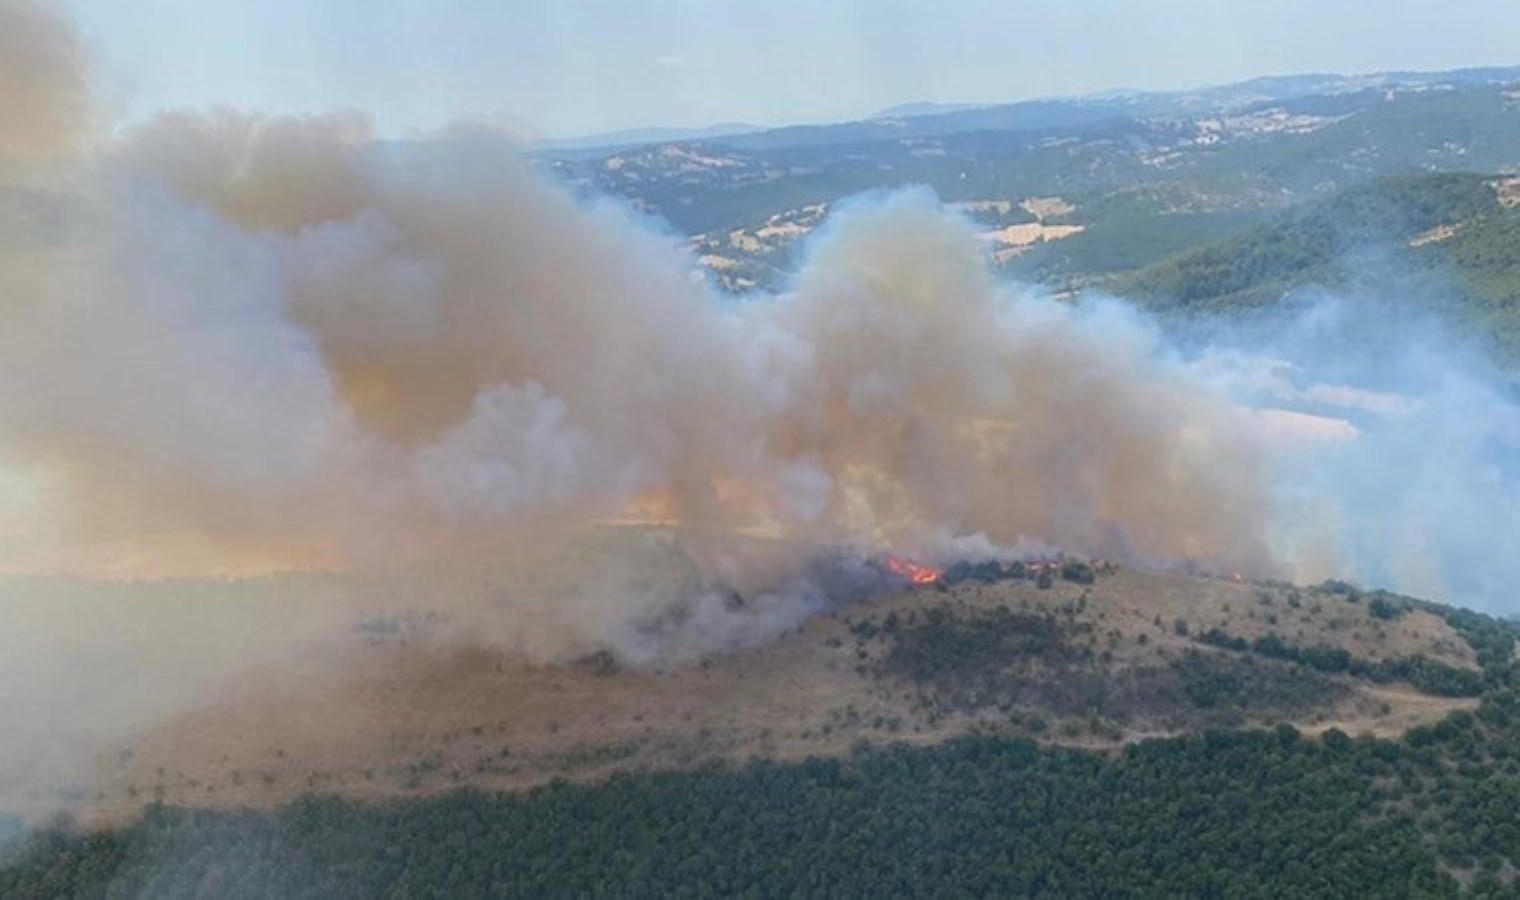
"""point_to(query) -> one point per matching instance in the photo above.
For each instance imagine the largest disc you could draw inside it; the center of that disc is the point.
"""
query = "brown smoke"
(44, 83)
(282, 339)
(274, 326)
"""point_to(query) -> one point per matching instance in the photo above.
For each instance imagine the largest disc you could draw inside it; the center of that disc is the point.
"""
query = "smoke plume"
(280, 334)
(44, 84)
(235, 343)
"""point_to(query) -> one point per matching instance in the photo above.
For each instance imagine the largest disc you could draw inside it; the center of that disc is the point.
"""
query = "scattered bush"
(1078, 571)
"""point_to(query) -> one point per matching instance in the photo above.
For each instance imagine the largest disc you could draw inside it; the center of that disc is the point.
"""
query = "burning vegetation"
(916, 574)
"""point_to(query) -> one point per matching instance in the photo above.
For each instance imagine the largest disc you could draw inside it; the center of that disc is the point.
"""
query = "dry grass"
(387, 720)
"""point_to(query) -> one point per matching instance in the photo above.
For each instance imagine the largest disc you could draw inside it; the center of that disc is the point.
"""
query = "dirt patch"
(1043, 208)
(1028, 233)
(1508, 191)
(1434, 236)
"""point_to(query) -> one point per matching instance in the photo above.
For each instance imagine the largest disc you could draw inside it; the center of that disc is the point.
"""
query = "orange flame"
(913, 572)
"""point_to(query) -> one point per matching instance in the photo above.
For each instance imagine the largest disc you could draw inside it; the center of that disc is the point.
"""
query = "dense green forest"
(1220, 813)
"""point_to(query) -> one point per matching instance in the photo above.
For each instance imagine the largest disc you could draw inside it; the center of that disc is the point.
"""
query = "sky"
(573, 67)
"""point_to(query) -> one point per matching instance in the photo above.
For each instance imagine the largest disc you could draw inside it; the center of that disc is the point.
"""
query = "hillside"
(898, 739)
(1147, 176)
(1450, 235)
(412, 709)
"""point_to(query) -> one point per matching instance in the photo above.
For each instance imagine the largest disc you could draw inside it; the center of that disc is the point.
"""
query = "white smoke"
(1406, 473)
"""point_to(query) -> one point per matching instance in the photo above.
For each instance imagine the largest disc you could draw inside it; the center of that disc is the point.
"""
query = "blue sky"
(577, 66)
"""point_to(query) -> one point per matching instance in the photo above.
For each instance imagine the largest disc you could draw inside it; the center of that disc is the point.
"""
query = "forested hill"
(1247, 813)
(1450, 235)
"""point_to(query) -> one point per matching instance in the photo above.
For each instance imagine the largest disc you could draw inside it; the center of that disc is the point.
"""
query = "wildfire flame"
(912, 572)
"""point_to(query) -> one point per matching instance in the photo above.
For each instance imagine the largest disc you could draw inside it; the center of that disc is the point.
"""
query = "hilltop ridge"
(402, 707)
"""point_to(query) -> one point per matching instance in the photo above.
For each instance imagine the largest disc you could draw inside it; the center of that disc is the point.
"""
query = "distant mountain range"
(922, 118)
(634, 137)
(1212, 200)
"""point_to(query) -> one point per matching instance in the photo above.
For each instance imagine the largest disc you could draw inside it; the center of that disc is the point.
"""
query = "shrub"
(1078, 571)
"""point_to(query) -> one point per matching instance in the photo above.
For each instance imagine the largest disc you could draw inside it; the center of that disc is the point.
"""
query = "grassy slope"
(1120, 659)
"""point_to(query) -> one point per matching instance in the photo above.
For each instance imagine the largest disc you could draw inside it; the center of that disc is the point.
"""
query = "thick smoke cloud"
(239, 343)
(257, 328)
(44, 84)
